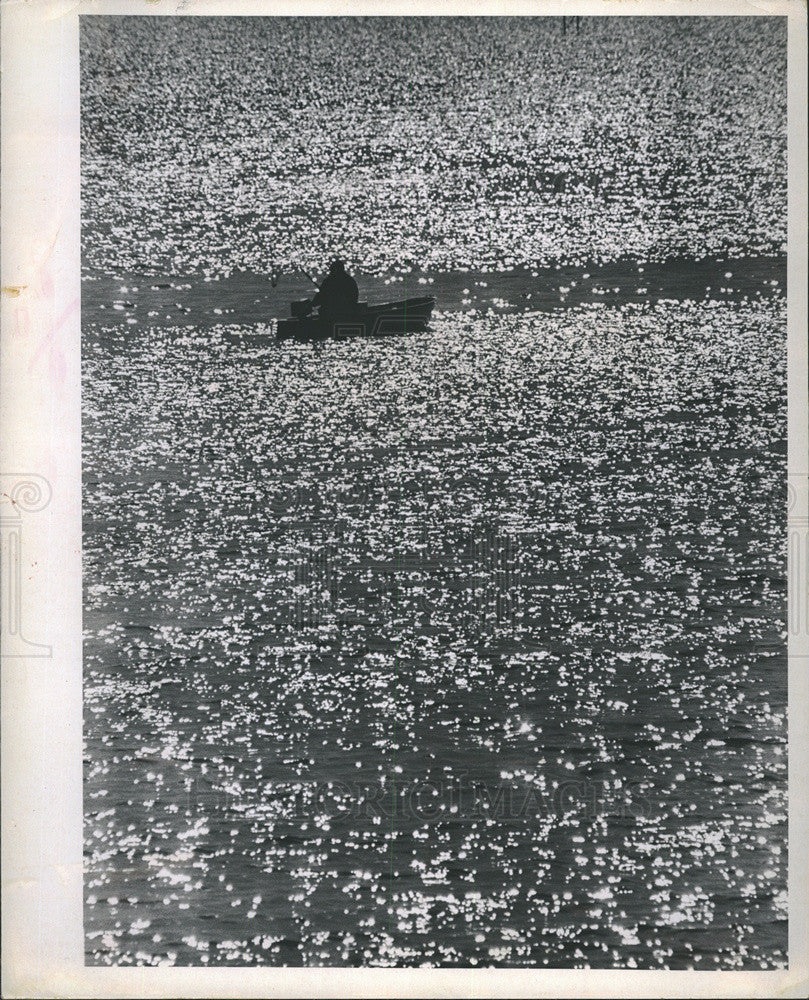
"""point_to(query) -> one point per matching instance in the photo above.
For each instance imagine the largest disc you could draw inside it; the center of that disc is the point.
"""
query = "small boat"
(406, 316)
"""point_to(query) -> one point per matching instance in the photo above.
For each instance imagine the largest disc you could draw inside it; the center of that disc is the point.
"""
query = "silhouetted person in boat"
(338, 295)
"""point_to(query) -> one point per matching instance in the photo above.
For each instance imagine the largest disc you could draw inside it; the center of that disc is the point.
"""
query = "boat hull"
(407, 316)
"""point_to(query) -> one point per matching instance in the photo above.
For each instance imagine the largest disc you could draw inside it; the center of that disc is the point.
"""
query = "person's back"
(338, 295)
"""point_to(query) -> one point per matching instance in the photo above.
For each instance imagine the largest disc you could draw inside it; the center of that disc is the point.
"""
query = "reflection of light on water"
(436, 168)
(253, 745)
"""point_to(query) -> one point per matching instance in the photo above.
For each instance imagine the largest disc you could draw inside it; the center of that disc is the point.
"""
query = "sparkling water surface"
(213, 144)
(465, 647)
(460, 647)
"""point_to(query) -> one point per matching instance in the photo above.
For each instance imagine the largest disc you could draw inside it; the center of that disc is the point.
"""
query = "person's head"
(337, 267)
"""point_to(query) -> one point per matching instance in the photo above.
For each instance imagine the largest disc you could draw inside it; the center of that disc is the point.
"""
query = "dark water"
(463, 647)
